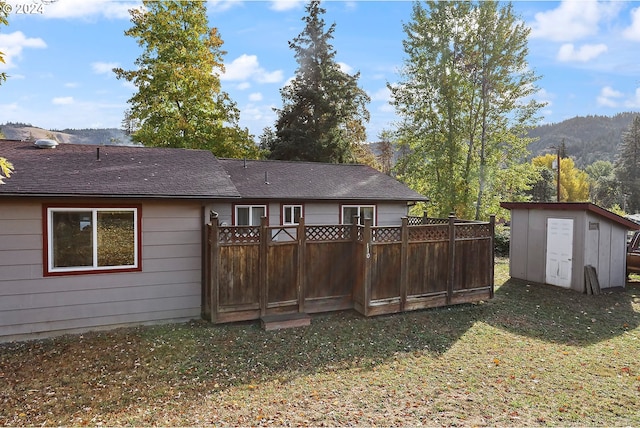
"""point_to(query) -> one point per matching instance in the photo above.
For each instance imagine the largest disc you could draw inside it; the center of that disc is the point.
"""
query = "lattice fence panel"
(238, 234)
(429, 233)
(386, 234)
(429, 220)
(477, 230)
(414, 221)
(328, 233)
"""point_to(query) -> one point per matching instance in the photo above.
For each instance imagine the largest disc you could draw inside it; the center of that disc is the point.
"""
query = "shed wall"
(605, 250)
(168, 288)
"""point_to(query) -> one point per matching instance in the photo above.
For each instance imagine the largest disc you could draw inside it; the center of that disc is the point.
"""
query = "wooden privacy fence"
(257, 271)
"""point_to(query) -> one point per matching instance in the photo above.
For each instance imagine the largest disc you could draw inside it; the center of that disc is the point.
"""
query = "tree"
(179, 102)
(605, 189)
(324, 110)
(386, 150)
(465, 101)
(6, 167)
(574, 183)
(628, 166)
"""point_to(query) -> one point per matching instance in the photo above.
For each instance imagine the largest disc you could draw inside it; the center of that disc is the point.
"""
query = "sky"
(59, 56)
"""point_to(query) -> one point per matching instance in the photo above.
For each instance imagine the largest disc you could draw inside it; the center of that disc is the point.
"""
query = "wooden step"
(276, 322)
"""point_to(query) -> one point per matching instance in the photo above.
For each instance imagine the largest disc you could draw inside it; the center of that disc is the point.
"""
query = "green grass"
(533, 355)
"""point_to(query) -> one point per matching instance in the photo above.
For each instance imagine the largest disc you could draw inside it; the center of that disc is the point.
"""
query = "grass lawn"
(533, 355)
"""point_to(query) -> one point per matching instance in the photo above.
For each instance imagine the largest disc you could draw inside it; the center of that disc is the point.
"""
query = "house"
(322, 193)
(95, 237)
(552, 243)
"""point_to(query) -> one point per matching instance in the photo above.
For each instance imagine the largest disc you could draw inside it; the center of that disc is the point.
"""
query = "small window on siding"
(361, 211)
(291, 214)
(249, 215)
(92, 240)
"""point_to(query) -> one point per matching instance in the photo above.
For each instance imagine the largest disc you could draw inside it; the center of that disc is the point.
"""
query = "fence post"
(366, 238)
(452, 256)
(263, 270)
(492, 225)
(404, 262)
(425, 217)
(214, 259)
(301, 271)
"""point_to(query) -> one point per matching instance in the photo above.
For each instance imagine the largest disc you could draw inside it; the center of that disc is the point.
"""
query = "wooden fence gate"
(253, 272)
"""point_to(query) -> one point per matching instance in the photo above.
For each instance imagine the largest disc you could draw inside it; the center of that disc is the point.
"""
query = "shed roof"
(573, 206)
(288, 180)
(114, 171)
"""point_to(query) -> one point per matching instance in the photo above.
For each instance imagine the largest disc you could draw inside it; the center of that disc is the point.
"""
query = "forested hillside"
(587, 139)
(25, 131)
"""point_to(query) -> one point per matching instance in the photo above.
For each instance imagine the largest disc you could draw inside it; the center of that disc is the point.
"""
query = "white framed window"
(92, 239)
(362, 211)
(291, 214)
(249, 215)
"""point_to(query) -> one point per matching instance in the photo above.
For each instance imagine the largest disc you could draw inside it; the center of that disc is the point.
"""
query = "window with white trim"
(291, 214)
(81, 240)
(361, 211)
(249, 215)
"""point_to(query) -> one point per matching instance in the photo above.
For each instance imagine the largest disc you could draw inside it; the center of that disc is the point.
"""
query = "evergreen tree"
(324, 110)
(465, 102)
(179, 102)
(628, 166)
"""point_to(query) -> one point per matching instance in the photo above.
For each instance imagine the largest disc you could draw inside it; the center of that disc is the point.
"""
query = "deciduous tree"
(179, 102)
(465, 101)
(574, 183)
(6, 167)
(324, 111)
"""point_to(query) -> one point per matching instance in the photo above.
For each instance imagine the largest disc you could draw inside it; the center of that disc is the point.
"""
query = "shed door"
(559, 251)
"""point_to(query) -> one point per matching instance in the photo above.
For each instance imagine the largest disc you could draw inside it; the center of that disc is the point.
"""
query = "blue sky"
(59, 56)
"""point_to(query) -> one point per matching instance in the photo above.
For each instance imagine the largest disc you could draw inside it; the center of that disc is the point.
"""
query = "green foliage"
(502, 238)
(463, 103)
(6, 169)
(628, 166)
(4, 13)
(605, 188)
(324, 110)
(574, 183)
(179, 102)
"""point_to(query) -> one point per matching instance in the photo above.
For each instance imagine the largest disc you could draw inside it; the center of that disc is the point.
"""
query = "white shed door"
(559, 251)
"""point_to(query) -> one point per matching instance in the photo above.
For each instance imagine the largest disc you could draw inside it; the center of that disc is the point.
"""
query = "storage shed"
(552, 243)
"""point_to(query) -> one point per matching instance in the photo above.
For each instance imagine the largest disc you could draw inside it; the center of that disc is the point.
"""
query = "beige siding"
(388, 213)
(168, 288)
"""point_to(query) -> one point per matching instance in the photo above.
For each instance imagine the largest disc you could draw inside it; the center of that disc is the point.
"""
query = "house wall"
(315, 213)
(605, 249)
(167, 289)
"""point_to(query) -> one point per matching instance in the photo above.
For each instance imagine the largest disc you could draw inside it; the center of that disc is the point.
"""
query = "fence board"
(421, 264)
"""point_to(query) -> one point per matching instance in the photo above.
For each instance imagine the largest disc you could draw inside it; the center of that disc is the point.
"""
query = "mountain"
(587, 139)
(24, 131)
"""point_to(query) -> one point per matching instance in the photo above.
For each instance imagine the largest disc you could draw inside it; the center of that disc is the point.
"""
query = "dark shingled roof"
(314, 181)
(121, 171)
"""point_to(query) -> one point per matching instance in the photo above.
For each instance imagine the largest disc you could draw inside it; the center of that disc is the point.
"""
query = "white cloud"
(12, 45)
(283, 5)
(89, 9)
(568, 52)
(71, 85)
(633, 31)
(62, 101)
(382, 94)
(608, 97)
(345, 68)
(256, 96)
(634, 102)
(103, 67)
(246, 67)
(573, 20)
